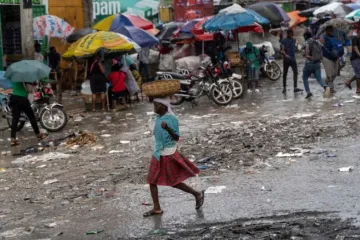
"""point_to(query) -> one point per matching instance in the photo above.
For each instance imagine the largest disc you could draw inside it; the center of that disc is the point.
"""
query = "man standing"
(313, 55)
(251, 55)
(144, 62)
(330, 61)
(355, 59)
(288, 49)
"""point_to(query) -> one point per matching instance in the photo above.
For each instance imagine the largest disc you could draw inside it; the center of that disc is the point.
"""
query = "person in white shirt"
(38, 56)
(144, 62)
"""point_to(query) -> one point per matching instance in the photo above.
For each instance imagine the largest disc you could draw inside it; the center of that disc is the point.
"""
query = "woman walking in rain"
(168, 167)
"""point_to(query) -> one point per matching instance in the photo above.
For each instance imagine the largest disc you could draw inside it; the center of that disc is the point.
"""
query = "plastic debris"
(159, 232)
(43, 158)
(263, 188)
(146, 204)
(147, 133)
(356, 97)
(3, 153)
(202, 167)
(51, 181)
(346, 169)
(330, 155)
(205, 160)
(284, 155)
(116, 151)
(97, 147)
(215, 190)
(232, 106)
(94, 232)
(51, 225)
(2, 170)
(125, 142)
(106, 135)
(338, 105)
(349, 101)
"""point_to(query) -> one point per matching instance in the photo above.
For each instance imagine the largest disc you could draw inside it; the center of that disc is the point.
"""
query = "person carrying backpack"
(313, 55)
(332, 51)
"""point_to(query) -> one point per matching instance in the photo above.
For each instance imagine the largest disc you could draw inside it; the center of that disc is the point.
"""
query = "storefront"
(10, 28)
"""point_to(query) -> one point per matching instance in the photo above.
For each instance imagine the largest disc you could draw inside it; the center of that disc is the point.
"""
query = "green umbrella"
(27, 71)
(354, 15)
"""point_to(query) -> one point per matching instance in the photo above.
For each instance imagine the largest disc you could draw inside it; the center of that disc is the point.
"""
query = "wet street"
(273, 166)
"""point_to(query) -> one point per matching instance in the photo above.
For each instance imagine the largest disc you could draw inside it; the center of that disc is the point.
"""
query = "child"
(137, 77)
(118, 88)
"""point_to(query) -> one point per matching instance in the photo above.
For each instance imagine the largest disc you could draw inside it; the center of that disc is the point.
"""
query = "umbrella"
(187, 27)
(339, 9)
(295, 19)
(270, 11)
(27, 71)
(343, 25)
(142, 38)
(259, 19)
(354, 15)
(167, 31)
(79, 34)
(109, 42)
(229, 18)
(4, 82)
(198, 27)
(308, 12)
(51, 26)
(353, 6)
(115, 21)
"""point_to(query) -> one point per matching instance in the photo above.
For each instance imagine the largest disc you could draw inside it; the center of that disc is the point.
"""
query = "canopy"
(142, 38)
(109, 42)
(275, 14)
(115, 21)
(51, 26)
(229, 18)
(342, 25)
(167, 31)
(295, 19)
(336, 8)
(259, 19)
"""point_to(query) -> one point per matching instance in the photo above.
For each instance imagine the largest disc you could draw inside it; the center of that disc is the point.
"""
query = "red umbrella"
(198, 28)
(139, 22)
(252, 28)
(204, 37)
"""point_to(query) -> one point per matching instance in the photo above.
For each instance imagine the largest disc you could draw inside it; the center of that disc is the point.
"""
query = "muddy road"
(269, 162)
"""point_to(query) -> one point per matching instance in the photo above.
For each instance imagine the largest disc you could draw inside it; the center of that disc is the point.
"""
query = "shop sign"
(144, 8)
(17, 2)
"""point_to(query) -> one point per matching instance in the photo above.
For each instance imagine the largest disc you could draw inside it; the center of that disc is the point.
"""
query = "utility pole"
(26, 21)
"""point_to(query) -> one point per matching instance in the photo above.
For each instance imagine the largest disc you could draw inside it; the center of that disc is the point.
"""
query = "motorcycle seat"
(174, 75)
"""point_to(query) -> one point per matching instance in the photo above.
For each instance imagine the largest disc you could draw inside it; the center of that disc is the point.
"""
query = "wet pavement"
(273, 168)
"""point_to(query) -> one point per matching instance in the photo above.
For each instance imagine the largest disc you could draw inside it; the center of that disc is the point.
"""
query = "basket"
(161, 88)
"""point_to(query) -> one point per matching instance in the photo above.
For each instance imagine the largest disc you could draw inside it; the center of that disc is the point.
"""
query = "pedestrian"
(355, 60)
(143, 58)
(38, 56)
(168, 167)
(332, 51)
(98, 82)
(251, 55)
(118, 88)
(20, 103)
(313, 56)
(288, 49)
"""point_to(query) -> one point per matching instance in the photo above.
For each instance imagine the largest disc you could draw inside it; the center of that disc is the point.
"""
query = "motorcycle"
(199, 83)
(51, 116)
(268, 65)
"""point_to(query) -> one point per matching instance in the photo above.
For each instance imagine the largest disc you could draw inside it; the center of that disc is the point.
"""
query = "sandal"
(201, 202)
(152, 213)
(14, 143)
(42, 136)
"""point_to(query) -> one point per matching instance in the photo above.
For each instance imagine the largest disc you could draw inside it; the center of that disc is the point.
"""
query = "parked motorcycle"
(199, 83)
(268, 66)
(51, 116)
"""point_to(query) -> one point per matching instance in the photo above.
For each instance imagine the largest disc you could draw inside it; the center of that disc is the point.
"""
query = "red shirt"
(117, 80)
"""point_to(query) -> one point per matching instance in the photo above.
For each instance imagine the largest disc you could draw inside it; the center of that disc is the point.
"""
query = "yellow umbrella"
(88, 45)
(105, 24)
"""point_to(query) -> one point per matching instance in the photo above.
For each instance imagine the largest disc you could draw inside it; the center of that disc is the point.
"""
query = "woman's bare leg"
(103, 101)
(155, 197)
(188, 189)
(94, 102)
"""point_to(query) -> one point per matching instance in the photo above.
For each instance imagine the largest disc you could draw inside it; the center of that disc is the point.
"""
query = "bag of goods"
(161, 88)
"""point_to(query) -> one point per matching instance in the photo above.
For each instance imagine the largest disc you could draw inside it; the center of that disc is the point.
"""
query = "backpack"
(315, 50)
(337, 49)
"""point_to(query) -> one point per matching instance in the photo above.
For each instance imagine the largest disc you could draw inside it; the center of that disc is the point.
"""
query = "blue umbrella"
(27, 71)
(353, 6)
(270, 11)
(139, 36)
(227, 22)
(187, 27)
(259, 19)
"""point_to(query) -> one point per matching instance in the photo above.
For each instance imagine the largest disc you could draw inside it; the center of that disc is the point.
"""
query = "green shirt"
(19, 89)
(251, 55)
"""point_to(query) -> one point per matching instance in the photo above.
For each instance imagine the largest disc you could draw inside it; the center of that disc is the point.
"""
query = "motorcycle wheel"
(273, 71)
(222, 94)
(53, 119)
(176, 100)
(20, 125)
(237, 89)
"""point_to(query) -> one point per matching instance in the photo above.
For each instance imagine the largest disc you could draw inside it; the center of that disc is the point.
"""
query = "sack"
(337, 49)
(315, 50)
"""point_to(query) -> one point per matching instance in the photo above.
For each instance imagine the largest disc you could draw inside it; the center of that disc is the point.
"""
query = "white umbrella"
(235, 8)
(339, 9)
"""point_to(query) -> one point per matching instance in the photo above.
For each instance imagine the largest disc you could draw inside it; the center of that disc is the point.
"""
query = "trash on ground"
(125, 142)
(356, 97)
(82, 140)
(215, 190)
(97, 147)
(41, 166)
(78, 119)
(94, 232)
(146, 204)
(106, 135)
(43, 158)
(232, 106)
(159, 232)
(202, 167)
(349, 101)
(338, 105)
(2, 170)
(263, 188)
(196, 117)
(346, 169)
(51, 225)
(191, 158)
(147, 133)
(75, 147)
(205, 160)
(284, 155)
(116, 151)
(330, 155)
(338, 114)
(51, 181)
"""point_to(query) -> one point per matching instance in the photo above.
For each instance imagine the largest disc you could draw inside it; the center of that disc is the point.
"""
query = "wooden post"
(26, 21)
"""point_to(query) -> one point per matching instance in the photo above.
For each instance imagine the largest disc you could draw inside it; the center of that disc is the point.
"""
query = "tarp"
(295, 19)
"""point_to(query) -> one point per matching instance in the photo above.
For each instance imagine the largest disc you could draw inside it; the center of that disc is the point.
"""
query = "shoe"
(257, 90)
(284, 90)
(249, 91)
(309, 95)
(296, 90)
(327, 92)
